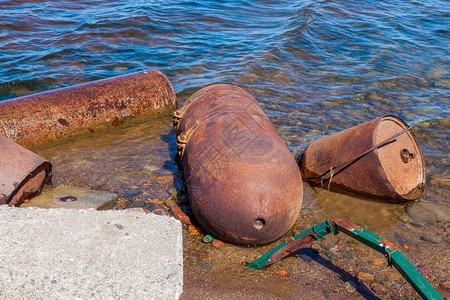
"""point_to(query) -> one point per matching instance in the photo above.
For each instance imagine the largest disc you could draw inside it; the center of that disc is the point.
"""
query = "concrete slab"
(72, 197)
(89, 254)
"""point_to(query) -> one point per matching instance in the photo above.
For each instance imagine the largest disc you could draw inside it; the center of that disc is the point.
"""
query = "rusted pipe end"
(31, 186)
(22, 173)
(405, 172)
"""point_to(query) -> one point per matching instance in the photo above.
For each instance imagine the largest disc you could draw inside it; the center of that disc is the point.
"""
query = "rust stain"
(193, 229)
(43, 117)
(395, 170)
(243, 183)
(387, 243)
(282, 272)
(23, 173)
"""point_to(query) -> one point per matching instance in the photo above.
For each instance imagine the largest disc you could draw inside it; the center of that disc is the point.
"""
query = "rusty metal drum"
(44, 117)
(377, 159)
(22, 173)
(242, 181)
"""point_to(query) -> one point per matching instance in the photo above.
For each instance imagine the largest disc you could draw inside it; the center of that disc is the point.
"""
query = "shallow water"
(135, 160)
(316, 67)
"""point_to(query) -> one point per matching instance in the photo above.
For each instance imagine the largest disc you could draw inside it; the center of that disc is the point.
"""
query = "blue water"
(316, 67)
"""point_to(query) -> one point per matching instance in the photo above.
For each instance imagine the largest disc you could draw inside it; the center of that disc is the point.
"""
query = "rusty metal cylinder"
(377, 159)
(22, 173)
(44, 117)
(243, 183)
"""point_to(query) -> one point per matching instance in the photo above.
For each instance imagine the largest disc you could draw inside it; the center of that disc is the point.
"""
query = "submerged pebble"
(447, 238)
(350, 286)
(404, 218)
(133, 192)
(331, 254)
(431, 238)
(349, 255)
(150, 168)
(365, 277)
(443, 83)
(207, 266)
(217, 243)
(428, 212)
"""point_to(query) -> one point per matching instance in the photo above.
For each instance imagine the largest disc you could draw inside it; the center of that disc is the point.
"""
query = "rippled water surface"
(316, 67)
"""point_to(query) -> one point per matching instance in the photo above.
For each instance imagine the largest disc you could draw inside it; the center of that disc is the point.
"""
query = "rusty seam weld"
(181, 142)
(350, 161)
(187, 105)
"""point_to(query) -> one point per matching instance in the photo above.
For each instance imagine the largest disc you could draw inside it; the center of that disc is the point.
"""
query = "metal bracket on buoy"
(176, 118)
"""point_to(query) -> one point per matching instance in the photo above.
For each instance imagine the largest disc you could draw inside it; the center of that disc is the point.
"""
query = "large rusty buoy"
(243, 183)
(378, 159)
(22, 173)
(44, 117)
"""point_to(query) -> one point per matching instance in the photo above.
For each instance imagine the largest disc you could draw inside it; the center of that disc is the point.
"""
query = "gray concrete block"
(72, 197)
(89, 254)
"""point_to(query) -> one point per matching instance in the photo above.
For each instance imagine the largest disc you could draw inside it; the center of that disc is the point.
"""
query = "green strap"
(320, 230)
(413, 276)
(395, 257)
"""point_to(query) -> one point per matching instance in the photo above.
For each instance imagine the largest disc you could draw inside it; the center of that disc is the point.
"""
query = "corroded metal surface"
(44, 117)
(394, 170)
(243, 184)
(22, 173)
